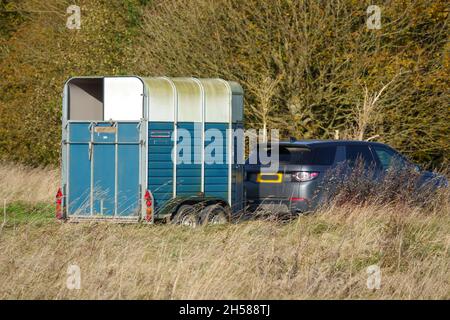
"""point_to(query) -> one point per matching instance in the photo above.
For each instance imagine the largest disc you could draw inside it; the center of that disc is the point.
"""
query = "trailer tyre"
(215, 214)
(186, 215)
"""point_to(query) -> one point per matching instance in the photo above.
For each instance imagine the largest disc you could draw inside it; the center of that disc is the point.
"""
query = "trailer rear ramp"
(103, 146)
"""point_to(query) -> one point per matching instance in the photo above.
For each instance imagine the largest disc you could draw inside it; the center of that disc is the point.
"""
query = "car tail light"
(297, 199)
(59, 198)
(302, 176)
(149, 204)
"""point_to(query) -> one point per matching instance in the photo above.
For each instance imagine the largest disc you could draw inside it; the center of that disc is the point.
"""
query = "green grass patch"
(20, 213)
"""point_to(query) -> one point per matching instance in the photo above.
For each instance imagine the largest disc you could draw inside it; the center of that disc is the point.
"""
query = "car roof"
(317, 142)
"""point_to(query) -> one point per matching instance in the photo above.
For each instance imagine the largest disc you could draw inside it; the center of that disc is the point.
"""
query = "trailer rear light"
(302, 176)
(148, 199)
(149, 204)
(59, 197)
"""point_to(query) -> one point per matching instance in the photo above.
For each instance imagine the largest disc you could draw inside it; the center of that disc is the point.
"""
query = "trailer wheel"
(215, 214)
(186, 215)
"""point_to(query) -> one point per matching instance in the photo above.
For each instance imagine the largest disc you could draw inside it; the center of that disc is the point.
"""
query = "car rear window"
(306, 156)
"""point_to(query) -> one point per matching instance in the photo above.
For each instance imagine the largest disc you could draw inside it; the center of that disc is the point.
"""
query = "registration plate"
(269, 177)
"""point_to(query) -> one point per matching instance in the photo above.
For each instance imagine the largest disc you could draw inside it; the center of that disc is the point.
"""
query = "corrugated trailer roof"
(183, 99)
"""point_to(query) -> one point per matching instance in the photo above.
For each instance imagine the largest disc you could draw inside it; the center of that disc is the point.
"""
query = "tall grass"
(399, 184)
(324, 255)
(26, 184)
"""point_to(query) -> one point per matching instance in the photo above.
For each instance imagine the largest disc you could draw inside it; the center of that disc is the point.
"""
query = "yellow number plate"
(269, 177)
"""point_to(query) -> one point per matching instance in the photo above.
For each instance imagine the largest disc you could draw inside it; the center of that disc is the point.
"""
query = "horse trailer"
(135, 149)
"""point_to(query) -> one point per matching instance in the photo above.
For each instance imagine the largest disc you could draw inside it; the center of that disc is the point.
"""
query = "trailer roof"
(185, 99)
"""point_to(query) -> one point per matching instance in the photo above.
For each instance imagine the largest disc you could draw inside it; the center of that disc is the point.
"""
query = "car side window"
(356, 152)
(388, 157)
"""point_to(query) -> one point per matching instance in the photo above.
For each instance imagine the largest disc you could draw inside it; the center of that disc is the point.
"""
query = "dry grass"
(325, 255)
(31, 185)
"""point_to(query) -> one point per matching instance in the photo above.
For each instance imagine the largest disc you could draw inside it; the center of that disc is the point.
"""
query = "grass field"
(325, 255)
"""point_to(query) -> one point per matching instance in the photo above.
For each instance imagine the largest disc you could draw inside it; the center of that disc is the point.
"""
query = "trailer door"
(104, 157)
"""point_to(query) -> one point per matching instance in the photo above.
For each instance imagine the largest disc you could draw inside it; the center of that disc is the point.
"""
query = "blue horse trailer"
(136, 149)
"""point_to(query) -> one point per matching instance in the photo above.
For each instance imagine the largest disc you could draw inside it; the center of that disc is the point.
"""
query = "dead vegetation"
(318, 256)
(26, 184)
(325, 255)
